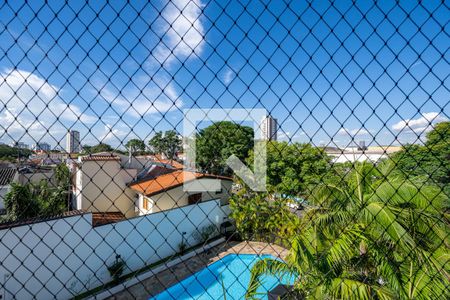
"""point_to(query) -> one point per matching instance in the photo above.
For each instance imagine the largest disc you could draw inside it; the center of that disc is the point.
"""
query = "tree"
(135, 145)
(292, 169)
(262, 217)
(63, 182)
(429, 163)
(168, 144)
(97, 148)
(368, 237)
(13, 153)
(86, 149)
(39, 199)
(19, 202)
(217, 142)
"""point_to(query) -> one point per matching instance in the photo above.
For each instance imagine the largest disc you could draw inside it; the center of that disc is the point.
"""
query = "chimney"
(130, 157)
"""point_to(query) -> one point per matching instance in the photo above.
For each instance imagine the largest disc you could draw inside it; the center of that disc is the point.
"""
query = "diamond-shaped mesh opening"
(193, 149)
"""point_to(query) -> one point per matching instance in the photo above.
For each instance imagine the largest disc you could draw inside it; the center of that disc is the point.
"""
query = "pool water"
(231, 273)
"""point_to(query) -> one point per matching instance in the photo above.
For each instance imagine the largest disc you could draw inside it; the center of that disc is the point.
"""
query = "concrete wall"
(65, 257)
(101, 187)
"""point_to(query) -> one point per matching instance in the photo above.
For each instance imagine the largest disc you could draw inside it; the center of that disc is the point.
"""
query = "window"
(194, 198)
(145, 203)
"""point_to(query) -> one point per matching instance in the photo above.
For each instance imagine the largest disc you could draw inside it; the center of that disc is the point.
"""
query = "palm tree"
(372, 236)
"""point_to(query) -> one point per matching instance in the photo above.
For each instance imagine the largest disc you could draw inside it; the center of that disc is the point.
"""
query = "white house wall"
(101, 187)
(69, 256)
(177, 197)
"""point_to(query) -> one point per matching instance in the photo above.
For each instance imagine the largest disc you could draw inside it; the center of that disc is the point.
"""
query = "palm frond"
(346, 288)
(383, 222)
(344, 246)
(266, 266)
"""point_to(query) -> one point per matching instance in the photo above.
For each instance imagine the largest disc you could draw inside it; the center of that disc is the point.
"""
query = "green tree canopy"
(217, 142)
(168, 143)
(102, 147)
(429, 162)
(368, 237)
(12, 153)
(20, 203)
(293, 168)
(135, 145)
(39, 199)
(262, 217)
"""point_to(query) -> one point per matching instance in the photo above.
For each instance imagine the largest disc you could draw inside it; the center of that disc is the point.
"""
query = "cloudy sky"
(328, 73)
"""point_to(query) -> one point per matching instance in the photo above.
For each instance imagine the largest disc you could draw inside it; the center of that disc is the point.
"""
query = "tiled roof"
(171, 162)
(169, 181)
(157, 158)
(7, 175)
(99, 157)
(103, 218)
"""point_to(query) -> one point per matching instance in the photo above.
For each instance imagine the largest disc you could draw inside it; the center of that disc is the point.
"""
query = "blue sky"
(327, 72)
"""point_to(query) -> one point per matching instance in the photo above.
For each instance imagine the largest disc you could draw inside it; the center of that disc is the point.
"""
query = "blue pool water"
(231, 273)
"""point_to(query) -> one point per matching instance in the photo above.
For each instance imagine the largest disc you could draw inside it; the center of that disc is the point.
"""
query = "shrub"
(116, 269)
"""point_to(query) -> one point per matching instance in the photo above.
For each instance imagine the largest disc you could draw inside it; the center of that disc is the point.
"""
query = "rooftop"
(162, 183)
(103, 156)
(369, 150)
(7, 175)
(103, 218)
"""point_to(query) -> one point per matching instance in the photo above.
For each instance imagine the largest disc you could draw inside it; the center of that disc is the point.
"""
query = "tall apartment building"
(269, 128)
(73, 144)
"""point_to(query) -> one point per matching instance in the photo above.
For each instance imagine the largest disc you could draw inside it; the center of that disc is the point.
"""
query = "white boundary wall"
(65, 257)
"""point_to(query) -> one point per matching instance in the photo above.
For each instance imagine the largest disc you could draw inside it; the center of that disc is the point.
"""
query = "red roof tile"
(169, 181)
(103, 218)
(102, 157)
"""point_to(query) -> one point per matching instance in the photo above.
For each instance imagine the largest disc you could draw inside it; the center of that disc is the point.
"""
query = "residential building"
(73, 144)
(7, 176)
(48, 158)
(111, 182)
(163, 189)
(269, 128)
(41, 146)
(362, 146)
(20, 145)
(100, 184)
(361, 153)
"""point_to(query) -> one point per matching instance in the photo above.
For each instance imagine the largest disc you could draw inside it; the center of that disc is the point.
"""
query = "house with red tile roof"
(177, 188)
(114, 183)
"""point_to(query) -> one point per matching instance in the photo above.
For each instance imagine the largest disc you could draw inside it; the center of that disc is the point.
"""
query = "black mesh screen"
(194, 149)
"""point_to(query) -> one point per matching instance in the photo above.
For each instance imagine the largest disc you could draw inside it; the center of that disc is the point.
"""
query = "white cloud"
(140, 103)
(182, 34)
(30, 105)
(112, 134)
(353, 132)
(228, 76)
(420, 125)
(289, 136)
(183, 31)
(284, 135)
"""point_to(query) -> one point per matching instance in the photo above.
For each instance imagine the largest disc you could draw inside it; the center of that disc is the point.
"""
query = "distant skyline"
(324, 77)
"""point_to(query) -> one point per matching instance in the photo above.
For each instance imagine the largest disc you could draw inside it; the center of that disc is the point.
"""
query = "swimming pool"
(231, 273)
